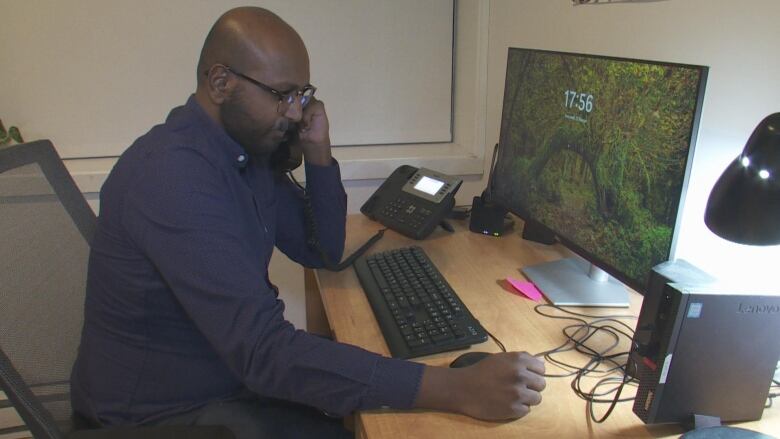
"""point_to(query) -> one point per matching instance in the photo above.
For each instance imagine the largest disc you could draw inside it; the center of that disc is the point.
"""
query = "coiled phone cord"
(312, 235)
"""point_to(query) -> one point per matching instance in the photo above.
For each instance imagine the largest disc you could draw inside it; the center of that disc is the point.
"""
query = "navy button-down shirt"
(180, 310)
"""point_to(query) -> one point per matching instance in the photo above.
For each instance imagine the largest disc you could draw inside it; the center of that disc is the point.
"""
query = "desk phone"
(413, 201)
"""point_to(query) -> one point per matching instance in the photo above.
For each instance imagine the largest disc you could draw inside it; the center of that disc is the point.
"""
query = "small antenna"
(489, 187)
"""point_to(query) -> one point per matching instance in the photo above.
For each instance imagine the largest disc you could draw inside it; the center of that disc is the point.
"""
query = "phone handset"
(288, 155)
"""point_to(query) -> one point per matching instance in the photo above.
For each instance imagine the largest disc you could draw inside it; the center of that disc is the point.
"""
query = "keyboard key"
(419, 342)
(441, 337)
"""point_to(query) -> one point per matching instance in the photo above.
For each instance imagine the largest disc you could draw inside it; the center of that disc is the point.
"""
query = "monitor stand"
(576, 282)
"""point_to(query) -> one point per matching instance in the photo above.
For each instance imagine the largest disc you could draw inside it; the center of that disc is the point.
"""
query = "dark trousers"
(260, 418)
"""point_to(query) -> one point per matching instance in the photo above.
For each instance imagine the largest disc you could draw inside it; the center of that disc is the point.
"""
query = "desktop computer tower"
(705, 351)
(678, 271)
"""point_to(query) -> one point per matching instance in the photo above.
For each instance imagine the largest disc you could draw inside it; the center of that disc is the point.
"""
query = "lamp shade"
(744, 205)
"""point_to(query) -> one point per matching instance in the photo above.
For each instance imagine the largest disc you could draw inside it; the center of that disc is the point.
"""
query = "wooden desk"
(475, 266)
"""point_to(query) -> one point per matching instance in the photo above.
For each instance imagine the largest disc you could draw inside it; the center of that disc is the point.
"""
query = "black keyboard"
(417, 310)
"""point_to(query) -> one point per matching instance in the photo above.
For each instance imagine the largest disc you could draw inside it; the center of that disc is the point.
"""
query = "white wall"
(93, 75)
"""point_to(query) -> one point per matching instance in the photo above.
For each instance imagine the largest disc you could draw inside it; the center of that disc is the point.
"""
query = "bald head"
(250, 60)
(252, 39)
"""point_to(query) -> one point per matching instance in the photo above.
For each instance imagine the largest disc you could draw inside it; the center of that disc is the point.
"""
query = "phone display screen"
(428, 185)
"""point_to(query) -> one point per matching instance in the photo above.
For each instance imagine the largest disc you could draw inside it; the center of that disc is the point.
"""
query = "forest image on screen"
(595, 149)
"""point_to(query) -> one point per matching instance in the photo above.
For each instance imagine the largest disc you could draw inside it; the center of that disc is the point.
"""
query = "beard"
(256, 138)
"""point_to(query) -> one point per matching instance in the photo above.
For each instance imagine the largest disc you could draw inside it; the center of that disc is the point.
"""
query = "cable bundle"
(609, 366)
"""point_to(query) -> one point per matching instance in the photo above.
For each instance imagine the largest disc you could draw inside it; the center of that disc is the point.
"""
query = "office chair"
(46, 227)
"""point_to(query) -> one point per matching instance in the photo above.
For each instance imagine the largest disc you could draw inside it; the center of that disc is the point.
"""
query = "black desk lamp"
(744, 205)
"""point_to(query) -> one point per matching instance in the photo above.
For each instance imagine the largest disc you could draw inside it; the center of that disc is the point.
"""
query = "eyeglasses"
(285, 99)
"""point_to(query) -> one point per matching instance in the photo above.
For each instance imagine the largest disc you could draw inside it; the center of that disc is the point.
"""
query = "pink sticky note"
(527, 288)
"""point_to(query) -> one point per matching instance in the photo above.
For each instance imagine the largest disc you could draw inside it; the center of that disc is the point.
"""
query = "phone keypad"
(406, 212)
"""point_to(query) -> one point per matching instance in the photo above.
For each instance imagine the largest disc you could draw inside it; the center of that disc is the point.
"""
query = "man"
(182, 324)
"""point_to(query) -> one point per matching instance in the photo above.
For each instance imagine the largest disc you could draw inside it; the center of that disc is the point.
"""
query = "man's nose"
(294, 110)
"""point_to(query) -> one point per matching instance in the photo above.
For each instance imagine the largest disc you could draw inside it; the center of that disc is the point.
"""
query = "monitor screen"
(595, 150)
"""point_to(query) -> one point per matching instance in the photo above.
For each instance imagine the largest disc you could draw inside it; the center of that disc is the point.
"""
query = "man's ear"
(218, 84)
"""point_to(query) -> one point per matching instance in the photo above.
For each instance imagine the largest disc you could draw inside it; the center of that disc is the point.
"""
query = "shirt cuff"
(324, 180)
(327, 171)
(394, 384)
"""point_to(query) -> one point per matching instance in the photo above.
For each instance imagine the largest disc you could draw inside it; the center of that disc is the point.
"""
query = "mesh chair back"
(45, 230)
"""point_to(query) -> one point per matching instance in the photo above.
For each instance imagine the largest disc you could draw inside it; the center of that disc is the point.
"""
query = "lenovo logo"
(758, 309)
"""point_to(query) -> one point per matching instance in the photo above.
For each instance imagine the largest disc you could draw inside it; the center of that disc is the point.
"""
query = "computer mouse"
(469, 358)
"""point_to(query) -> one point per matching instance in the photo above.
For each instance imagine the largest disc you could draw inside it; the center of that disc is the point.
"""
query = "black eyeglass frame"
(305, 94)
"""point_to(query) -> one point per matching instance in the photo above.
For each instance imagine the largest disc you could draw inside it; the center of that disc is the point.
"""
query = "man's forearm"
(321, 157)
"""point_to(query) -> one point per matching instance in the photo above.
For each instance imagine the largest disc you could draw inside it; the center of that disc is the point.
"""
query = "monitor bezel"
(613, 271)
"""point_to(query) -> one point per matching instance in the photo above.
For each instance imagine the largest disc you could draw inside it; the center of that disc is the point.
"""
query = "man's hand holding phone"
(314, 134)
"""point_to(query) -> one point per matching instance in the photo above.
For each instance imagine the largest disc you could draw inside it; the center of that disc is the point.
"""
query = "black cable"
(770, 399)
(559, 308)
(610, 367)
(498, 342)
(579, 343)
(612, 405)
(312, 235)
(589, 396)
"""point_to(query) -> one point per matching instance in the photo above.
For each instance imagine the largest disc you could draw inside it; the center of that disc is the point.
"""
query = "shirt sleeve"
(329, 211)
(179, 213)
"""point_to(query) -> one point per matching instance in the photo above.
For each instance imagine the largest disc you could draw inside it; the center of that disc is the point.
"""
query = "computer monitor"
(595, 151)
